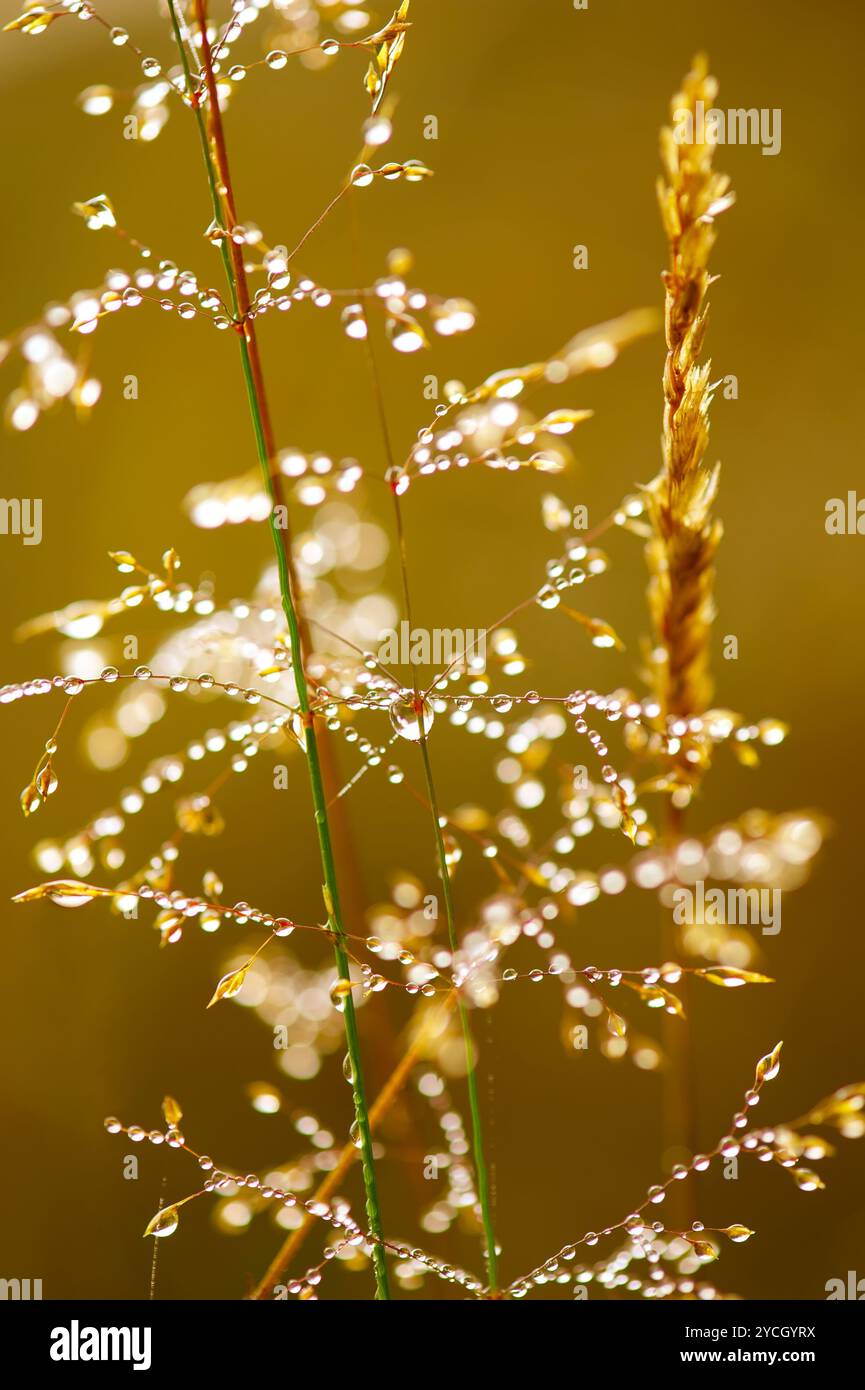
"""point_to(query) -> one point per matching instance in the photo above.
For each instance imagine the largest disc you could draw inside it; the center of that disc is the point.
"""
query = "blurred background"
(547, 138)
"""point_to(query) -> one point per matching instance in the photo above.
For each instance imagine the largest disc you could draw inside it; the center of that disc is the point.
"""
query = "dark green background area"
(548, 123)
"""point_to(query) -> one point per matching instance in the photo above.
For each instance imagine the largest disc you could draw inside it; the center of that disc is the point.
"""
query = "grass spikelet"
(680, 500)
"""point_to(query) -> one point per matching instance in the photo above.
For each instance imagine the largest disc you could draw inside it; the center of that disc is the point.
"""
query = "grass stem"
(484, 1196)
(219, 178)
(377, 1111)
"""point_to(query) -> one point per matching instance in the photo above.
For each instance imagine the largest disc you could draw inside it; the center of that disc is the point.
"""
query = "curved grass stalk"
(484, 1196)
(219, 179)
(471, 1072)
(377, 1111)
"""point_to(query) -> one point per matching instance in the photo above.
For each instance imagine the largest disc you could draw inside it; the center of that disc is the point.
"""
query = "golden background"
(548, 123)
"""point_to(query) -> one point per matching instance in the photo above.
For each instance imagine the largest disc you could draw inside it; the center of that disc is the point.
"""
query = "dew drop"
(71, 899)
(46, 781)
(411, 716)
(340, 992)
(547, 597)
(165, 1223)
(405, 334)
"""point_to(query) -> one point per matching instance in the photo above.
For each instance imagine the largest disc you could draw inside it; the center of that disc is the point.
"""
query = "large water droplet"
(164, 1223)
(340, 993)
(411, 716)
